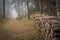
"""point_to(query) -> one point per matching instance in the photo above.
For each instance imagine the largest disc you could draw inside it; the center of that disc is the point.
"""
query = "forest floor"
(19, 30)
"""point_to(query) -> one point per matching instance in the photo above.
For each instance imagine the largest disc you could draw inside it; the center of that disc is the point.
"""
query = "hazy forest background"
(16, 18)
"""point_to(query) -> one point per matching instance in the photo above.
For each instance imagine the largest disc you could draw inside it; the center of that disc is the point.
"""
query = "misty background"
(16, 8)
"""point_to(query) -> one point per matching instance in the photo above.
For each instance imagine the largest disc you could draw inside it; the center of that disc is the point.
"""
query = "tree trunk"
(40, 6)
(18, 8)
(22, 10)
(28, 10)
(48, 7)
(25, 7)
(58, 7)
(37, 5)
(3, 8)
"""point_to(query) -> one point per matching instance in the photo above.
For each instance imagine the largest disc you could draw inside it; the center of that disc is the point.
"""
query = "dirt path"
(14, 30)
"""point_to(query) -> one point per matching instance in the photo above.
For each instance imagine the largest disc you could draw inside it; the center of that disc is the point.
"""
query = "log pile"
(48, 26)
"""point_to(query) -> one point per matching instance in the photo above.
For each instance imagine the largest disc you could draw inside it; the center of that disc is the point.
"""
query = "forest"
(29, 19)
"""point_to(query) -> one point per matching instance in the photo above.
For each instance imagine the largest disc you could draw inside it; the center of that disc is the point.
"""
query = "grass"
(19, 30)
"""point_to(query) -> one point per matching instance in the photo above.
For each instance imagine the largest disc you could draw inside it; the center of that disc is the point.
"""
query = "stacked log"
(48, 26)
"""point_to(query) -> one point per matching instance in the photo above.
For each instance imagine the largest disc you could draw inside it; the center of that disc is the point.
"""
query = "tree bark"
(3, 8)
(28, 10)
(48, 7)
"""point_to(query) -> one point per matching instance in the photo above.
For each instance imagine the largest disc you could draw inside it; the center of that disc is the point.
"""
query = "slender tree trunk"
(37, 5)
(40, 5)
(3, 8)
(28, 10)
(25, 7)
(18, 8)
(48, 7)
(57, 7)
(22, 9)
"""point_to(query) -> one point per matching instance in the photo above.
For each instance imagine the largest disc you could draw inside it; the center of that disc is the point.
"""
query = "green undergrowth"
(19, 29)
(27, 22)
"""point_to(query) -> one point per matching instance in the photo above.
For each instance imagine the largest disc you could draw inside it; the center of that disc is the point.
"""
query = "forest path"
(19, 30)
(15, 27)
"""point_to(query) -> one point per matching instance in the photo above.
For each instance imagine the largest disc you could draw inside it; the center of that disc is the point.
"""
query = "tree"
(22, 9)
(53, 7)
(18, 7)
(28, 9)
(37, 5)
(25, 7)
(40, 2)
(58, 7)
(48, 7)
(3, 8)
